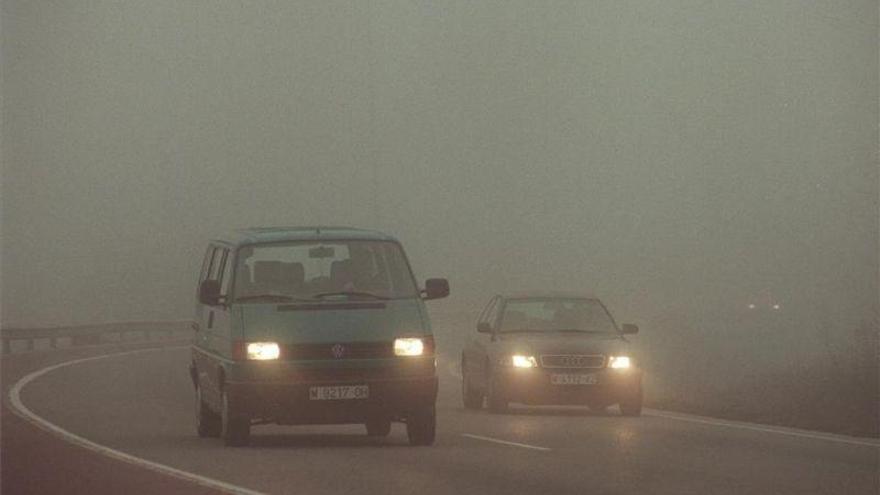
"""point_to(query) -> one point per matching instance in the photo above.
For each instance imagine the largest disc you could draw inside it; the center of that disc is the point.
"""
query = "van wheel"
(235, 429)
(495, 400)
(378, 427)
(472, 399)
(632, 405)
(207, 421)
(421, 427)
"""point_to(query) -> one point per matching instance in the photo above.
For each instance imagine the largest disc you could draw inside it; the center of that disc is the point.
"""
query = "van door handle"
(210, 319)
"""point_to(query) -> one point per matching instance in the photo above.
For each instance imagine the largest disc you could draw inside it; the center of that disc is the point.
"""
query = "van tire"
(421, 426)
(207, 421)
(235, 429)
(378, 427)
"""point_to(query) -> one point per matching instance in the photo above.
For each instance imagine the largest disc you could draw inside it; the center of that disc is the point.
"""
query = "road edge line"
(24, 412)
(453, 370)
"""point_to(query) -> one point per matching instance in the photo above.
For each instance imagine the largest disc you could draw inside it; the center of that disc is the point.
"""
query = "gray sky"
(671, 156)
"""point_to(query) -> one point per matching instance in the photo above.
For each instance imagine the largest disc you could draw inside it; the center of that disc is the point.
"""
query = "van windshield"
(314, 270)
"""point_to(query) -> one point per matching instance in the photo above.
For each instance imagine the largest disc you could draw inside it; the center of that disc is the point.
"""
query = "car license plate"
(339, 392)
(573, 379)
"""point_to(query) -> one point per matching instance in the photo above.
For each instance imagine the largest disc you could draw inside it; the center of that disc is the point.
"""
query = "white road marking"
(505, 442)
(20, 409)
(453, 370)
(779, 430)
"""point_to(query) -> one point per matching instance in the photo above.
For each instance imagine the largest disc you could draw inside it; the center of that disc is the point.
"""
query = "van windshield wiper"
(273, 297)
(349, 293)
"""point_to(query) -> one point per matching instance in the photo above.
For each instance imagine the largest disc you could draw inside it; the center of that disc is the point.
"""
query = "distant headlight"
(263, 351)
(520, 361)
(618, 362)
(410, 346)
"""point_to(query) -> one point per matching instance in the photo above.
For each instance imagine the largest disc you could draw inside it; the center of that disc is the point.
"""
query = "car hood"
(333, 321)
(560, 343)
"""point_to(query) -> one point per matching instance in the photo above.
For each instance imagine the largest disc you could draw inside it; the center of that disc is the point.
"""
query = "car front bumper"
(534, 386)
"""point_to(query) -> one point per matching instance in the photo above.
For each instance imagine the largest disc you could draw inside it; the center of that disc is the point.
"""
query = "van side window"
(206, 264)
(226, 274)
(216, 264)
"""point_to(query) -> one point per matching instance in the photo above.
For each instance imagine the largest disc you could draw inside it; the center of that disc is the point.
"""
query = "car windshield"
(556, 315)
(312, 270)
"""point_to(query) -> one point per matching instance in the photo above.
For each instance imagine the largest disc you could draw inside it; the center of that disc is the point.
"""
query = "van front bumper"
(280, 392)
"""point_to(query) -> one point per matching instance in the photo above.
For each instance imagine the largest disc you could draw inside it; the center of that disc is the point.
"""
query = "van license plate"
(573, 379)
(339, 392)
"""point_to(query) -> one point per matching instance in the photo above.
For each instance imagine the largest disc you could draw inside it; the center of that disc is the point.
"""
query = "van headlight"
(520, 361)
(619, 362)
(263, 351)
(409, 346)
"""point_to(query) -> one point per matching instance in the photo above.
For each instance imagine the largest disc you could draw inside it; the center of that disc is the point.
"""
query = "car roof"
(259, 235)
(536, 294)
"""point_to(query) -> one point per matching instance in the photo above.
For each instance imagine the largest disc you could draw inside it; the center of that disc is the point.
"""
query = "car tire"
(421, 426)
(632, 406)
(207, 421)
(496, 401)
(472, 399)
(378, 427)
(235, 428)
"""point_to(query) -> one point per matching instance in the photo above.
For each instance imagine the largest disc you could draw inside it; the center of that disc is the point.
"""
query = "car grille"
(573, 361)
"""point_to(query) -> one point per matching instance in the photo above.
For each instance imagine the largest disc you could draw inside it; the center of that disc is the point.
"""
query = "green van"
(312, 325)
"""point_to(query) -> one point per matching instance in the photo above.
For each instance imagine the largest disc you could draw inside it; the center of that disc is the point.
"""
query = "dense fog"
(680, 159)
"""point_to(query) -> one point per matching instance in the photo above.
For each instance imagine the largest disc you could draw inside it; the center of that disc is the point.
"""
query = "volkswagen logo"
(338, 350)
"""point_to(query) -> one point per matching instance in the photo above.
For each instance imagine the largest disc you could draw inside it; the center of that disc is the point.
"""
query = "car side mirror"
(436, 288)
(209, 292)
(629, 329)
(484, 327)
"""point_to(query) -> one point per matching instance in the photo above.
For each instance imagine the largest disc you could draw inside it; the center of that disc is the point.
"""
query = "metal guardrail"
(92, 334)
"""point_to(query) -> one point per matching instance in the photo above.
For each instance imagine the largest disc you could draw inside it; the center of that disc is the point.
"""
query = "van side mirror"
(484, 327)
(209, 292)
(436, 288)
(629, 329)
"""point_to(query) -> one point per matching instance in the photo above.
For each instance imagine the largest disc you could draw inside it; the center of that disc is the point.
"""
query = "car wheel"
(471, 398)
(235, 428)
(494, 397)
(421, 427)
(632, 406)
(378, 427)
(207, 421)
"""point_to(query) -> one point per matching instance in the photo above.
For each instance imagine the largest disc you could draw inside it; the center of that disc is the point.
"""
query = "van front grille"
(573, 361)
(347, 350)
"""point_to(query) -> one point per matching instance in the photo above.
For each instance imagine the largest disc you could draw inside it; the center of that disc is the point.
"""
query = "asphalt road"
(141, 404)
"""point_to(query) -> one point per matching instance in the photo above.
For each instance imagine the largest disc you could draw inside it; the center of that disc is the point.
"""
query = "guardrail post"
(53, 343)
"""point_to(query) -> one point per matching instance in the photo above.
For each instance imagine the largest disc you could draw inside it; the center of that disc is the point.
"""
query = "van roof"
(257, 235)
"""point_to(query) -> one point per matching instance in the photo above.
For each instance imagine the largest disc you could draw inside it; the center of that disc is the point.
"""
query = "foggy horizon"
(672, 158)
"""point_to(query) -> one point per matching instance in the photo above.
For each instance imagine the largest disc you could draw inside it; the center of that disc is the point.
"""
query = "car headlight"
(619, 362)
(409, 346)
(262, 351)
(520, 361)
